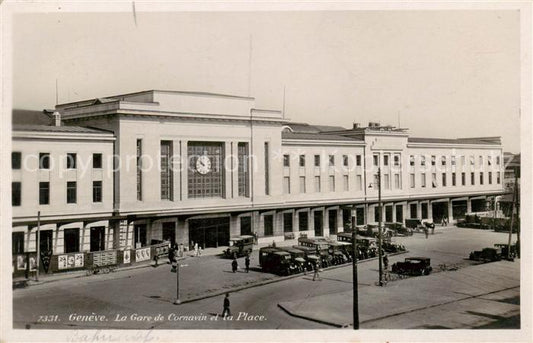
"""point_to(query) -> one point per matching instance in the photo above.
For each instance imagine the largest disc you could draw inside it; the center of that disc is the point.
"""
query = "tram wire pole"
(37, 243)
(379, 229)
(354, 277)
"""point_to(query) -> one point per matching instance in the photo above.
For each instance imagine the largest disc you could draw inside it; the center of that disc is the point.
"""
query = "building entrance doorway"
(440, 210)
(97, 238)
(209, 232)
(319, 223)
(399, 213)
(169, 232)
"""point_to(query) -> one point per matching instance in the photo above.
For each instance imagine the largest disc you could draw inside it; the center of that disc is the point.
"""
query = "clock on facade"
(203, 164)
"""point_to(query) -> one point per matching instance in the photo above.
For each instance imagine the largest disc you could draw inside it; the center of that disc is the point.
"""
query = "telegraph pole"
(379, 228)
(38, 244)
(512, 217)
(354, 277)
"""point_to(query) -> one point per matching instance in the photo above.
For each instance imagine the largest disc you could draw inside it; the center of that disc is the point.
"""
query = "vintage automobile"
(413, 266)
(486, 255)
(372, 230)
(239, 246)
(392, 247)
(415, 225)
(299, 263)
(274, 260)
(398, 229)
(505, 247)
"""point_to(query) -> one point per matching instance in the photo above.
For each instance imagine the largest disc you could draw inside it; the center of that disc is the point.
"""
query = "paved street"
(121, 299)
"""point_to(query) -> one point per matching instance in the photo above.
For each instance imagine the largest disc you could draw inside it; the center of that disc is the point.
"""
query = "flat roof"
(317, 136)
(480, 140)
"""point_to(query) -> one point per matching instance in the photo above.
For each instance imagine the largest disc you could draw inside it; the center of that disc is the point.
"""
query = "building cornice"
(76, 136)
(453, 146)
(318, 142)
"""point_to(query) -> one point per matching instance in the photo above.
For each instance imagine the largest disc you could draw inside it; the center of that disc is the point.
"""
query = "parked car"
(505, 247)
(392, 247)
(399, 229)
(413, 266)
(299, 263)
(239, 246)
(486, 255)
(415, 225)
(274, 260)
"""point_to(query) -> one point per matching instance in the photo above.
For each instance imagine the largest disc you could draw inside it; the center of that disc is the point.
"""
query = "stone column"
(450, 211)
(340, 223)
(468, 205)
(430, 211)
(419, 210)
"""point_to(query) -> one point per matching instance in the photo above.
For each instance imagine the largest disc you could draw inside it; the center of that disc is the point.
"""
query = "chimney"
(57, 118)
(356, 125)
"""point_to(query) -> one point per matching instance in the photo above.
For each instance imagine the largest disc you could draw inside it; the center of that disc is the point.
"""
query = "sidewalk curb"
(312, 319)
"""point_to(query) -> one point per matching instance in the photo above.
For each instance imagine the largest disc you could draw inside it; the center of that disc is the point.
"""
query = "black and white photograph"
(327, 171)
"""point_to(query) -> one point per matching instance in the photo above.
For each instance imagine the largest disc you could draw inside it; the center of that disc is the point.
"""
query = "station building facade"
(125, 172)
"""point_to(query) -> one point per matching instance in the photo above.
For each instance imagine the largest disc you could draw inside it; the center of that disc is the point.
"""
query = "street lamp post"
(354, 270)
(380, 206)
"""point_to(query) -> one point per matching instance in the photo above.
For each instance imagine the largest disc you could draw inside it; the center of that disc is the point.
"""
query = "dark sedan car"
(413, 266)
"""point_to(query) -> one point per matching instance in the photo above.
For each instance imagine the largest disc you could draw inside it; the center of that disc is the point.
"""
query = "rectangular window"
(243, 170)
(490, 178)
(97, 191)
(386, 181)
(498, 178)
(385, 160)
(286, 161)
(434, 180)
(397, 182)
(44, 160)
(268, 220)
(481, 178)
(17, 240)
(376, 160)
(332, 183)
(433, 159)
(377, 214)
(206, 174)
(463, 179)
(44, 193)
(358, 160)
(166, 170)
(396, 160)
(303, 220)
(331, 160)
(489, 160)
(463, 160)
(345, 160)
(443, 179)
(246, 225)
(472, 179)
(287, 222)
(71, 192)
(443, 160)
(267, 171)
(302, 160)
(97, 161)
(423, 180)
(411, 160)
(453, 160)
(71, 160)
(317, 160)
(359, 182)
(498, 160)
(16, 193)
(286, 185)
(317, 184)
(71, 238)
(16, 158)
(480, 160)
(472, 160)
(422, 160)
(302, 184)
(412, 180)
(346, 186)
(424, 210)
(454, 179)
(139, 170)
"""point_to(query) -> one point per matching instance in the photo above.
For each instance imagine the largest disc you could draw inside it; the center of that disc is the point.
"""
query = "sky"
(446, 74)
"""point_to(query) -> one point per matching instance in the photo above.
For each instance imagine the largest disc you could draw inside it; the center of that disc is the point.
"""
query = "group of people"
(235, 264)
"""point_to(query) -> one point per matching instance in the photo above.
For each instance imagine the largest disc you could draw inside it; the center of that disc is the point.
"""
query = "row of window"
(317, 184)
(317, 160)
(444, 160)
(444, 180)
(44, 192)
(44, 160)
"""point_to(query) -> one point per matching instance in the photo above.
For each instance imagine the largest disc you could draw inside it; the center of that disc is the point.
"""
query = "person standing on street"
(426, 232)
(234, 265)
(226, 311)
(247, 262)
(385, 262)
(316, 275)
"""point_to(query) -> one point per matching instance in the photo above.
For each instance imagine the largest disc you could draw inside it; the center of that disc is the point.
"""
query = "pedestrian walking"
(171, 252)
(195, 249)
(226, 311)
(247, 262)
(386, 262)
(234, 265)
(317, 267)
